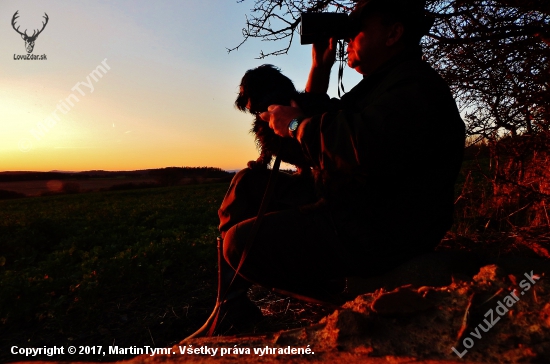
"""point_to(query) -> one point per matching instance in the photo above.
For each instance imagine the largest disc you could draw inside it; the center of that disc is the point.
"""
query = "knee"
(240, 175)
(234, 206)
(249, 181)
(243, 186)
(233, 246)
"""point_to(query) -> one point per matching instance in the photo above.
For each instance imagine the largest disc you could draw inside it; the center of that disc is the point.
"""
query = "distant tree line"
(39, 176)
(184, 172)
(171, 176)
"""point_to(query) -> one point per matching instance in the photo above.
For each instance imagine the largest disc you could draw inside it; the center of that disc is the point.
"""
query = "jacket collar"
(370, 81)
(407, 55)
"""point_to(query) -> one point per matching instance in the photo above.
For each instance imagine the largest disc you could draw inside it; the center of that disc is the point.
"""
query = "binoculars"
(321, 26)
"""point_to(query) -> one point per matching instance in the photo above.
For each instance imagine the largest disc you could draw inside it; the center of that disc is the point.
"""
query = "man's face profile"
(373, 45)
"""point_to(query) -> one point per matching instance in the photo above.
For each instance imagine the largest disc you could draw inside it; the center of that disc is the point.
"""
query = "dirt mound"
(494, 317)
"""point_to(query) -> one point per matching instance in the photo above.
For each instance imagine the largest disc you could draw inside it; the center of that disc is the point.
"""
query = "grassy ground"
(129, 268)
(124, 268)
(138, 268)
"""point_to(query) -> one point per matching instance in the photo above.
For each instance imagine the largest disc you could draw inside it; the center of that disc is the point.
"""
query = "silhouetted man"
(385, 156)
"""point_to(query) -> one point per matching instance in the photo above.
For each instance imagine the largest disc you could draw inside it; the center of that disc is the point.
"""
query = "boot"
(233, 309)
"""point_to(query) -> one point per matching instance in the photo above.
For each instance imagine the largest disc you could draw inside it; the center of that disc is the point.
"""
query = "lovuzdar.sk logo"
(29, 40)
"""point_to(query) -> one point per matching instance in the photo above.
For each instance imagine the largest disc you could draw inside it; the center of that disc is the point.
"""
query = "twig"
(546, 213)
(174, 312)
(186, 310)
(493, 296)
(287, 306)
(523, 208)
(464, 325)
(155, 345)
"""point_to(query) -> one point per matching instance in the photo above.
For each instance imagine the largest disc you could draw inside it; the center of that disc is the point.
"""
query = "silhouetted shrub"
(8, 195)
(70, 187)
(169, 176)
(130, 186)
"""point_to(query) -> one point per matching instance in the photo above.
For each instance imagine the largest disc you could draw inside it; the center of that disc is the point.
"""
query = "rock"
(401, 301)
(430, 269)
(428, 322)
(490, 274)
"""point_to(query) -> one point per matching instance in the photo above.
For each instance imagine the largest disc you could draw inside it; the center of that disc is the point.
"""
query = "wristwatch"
(294, 124)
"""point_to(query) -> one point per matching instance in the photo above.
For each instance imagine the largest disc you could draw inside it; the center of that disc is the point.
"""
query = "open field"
(138, 268)
(116, 268)
(127, 267)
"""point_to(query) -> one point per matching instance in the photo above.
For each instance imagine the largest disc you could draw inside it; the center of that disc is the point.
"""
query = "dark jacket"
(387, 156)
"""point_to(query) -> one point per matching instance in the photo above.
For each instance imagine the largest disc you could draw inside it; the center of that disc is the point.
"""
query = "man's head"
(381, 29)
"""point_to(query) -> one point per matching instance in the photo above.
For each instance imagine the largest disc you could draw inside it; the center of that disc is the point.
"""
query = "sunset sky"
(166, 98)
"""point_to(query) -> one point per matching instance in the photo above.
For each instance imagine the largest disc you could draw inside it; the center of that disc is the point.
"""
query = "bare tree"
(496, 59)
(276, 20)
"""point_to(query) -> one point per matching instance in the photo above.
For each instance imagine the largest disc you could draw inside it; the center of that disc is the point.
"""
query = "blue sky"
(166, 100)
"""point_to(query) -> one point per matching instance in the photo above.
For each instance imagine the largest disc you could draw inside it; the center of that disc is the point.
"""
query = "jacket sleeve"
(409, 119)
(341, 140)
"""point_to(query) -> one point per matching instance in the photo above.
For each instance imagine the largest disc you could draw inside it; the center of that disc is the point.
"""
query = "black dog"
(261, 87)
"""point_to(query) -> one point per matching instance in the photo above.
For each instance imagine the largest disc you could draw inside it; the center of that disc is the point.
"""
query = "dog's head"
(264, 86)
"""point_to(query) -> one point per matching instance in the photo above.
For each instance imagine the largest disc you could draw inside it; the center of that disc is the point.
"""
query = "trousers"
(302, 245)
(296, 248)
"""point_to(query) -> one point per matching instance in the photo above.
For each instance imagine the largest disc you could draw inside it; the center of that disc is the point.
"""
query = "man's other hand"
(323, 53)
(279, 116)
(323, 57)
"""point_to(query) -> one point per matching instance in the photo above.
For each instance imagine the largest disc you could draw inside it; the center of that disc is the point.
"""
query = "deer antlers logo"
(29, 41)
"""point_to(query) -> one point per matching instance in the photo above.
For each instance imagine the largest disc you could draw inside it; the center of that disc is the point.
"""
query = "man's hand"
(279, 116)
(323, 53)
(323, 57)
